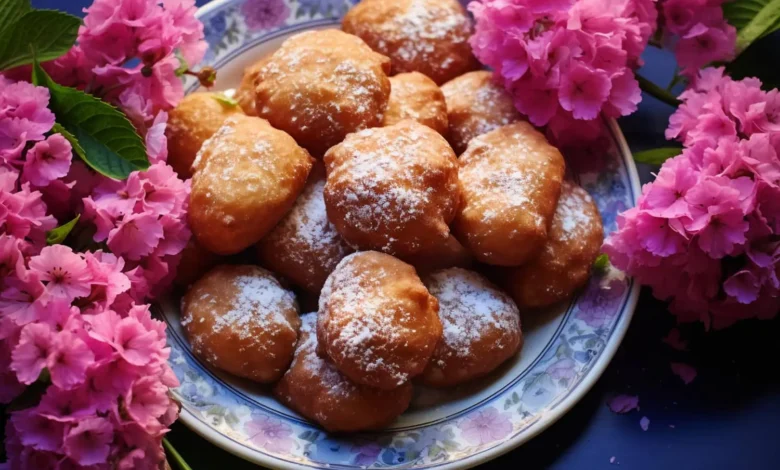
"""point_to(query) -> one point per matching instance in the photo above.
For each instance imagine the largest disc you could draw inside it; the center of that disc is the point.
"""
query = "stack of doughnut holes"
(374, 177)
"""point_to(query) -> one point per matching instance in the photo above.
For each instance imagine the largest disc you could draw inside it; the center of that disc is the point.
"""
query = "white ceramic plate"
(565, 351)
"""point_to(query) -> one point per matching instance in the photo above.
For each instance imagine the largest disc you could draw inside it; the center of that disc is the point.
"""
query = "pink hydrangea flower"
(23, 213)
(32, 352)
(703, 234)
(48, 160)
(565, 63)
(89, 442)
(24, 117)
(64, 272)
(68, 360)
(699, 33)
(147, 401)
(37, 431)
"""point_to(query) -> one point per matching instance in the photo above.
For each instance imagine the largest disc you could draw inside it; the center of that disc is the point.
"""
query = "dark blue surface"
(728, 418)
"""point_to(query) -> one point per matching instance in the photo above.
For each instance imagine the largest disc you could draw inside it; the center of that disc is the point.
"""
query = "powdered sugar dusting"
(372, 324)
(384, 180)
(574, 216)
(469, 306)
(415, 33)
(323, 82)
(314, 244)
(504, 188)
(258, 304)
(333, 382)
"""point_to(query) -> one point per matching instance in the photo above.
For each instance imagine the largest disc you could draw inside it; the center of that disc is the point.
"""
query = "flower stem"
(175, 455)
(656, 91)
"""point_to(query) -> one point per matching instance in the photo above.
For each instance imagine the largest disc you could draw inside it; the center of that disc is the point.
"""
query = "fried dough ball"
(195, 262)
(415, 96)
(249, 175)
(322, 85)
(566, 259)
(377, 322)
(392, 189)
(427, 36)
(316, 389)
(481, 328)
(245, 93)
(476, 105)
(240, 319)
(305, 247)
(197, 117)
(445, 255)
(510, 180)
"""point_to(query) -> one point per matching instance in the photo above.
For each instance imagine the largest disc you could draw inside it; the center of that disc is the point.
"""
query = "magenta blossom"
(704, 233)
(699, 33)
(565, 63)
(48, 160)
(24, 117)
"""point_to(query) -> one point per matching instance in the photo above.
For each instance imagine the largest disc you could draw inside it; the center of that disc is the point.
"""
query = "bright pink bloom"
(565, 62)
(107, 276)
(156, 142)
(134, 343)
(88, 443)
(48, 160)
(23, 300)
(702, 45)
(24, 116)
(703, 234)
(192, 45)
(583, 92)
(699, 33)
(68, 360)
(147, 401)
(31, 353)
(64, 272)
(38, 432)
(136, 236)
(23, 215)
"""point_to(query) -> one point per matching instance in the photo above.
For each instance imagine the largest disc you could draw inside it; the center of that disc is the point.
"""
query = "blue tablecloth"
(728, 418)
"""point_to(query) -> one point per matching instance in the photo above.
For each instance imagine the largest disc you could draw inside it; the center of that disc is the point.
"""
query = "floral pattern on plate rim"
(585, 331)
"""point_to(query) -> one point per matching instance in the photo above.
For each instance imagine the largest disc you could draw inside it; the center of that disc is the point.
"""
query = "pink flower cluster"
(25, 119)
(118, 33)
(75, 324)
(104, 360)
(699, 33)
(565, 62)
(143, 220)
(706, 233)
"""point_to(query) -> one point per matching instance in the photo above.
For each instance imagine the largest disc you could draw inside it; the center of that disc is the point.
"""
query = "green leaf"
(59, 234)
(110, 143)
(753, 19)
(49, 33)
(226, 100)
(657, 156)
(601, 263)
(11, 11)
